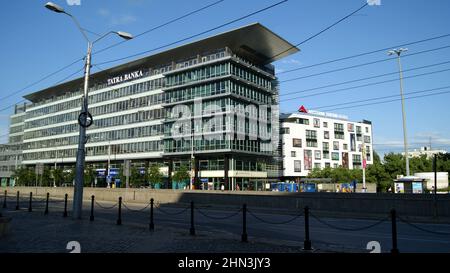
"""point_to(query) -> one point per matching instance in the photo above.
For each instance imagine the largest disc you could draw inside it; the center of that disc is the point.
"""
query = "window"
(317, 154)
(307, 159)
(327, 165)
(303, 121)
(366, 139)
(285, 131)
(336, 145)
(316, 122)
(293, 154)
(367, 129)
(345, 147)
(296, 142)
(325, 124)
(326, 146)
(326, 135)
(350, 127)
(335, 156)
(326, 155)
(316, 165)
(297, 166)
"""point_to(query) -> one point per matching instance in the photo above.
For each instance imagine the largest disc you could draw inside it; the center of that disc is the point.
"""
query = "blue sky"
(37, 42)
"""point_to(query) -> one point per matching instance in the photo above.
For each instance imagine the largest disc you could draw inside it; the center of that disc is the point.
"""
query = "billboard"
(345, 160)
(352, 143)
(417, 187)
(308, 159)
(399, 188)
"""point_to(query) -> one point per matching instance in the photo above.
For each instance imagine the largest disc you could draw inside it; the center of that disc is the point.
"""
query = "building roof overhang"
(254, 42)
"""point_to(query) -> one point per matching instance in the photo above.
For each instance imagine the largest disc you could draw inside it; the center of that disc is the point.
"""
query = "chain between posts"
(274, 223)
(103, 207)
(136, 210)
(158, 206)
(422, 229)
(219, 218)
(349, 229)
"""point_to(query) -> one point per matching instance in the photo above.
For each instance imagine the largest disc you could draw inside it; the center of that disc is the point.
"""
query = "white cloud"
(123, 19)
(115, 20)
(291, 61)
(104, 12)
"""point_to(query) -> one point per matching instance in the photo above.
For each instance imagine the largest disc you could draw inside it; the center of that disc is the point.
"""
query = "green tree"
(58, 175)
(182, 174)
(154, 175)
(69, 176)
(46, 179)
(89, 176)
(136, 177)
(24, 176)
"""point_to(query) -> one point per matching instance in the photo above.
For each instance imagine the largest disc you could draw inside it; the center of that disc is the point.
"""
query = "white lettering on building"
(125, 77)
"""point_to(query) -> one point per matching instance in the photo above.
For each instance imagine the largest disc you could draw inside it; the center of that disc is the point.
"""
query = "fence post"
(394, 249)
(17, 201)
(192, 229)
(119, 218)
(244, 224)
(30, 203)
(91, 218)
(46, 204)
(65, 205)
(151, 225)
(4, 200)
(307, 242)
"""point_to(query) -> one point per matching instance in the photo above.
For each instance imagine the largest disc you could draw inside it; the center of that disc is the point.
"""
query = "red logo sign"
(302, 109)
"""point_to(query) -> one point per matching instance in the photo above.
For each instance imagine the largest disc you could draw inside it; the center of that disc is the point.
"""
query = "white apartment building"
(427, 151)
(318, 140)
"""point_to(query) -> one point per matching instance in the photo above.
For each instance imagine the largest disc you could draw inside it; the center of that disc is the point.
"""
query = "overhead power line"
(365, 85)
(162, 25)
(195, 35)
(363, 79)
(367, 53)
(372, 77)
(365, 64)
(320, 32)
(379, 98)
(42, 79)
(80, 59)
(387, 101)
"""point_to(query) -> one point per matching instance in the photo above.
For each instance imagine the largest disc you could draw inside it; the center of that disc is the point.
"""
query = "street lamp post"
(398, 52)
(85, 118)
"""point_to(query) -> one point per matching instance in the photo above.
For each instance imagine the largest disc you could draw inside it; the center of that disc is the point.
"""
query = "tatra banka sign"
(125, 77)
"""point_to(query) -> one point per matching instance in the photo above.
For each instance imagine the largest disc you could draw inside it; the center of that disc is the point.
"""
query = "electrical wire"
(195, 35)
(366, 53)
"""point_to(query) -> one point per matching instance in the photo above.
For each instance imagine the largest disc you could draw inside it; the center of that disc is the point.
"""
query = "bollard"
(394, 249)
(119, 218)
(17, 201)
(46, 204)
(4, 200)
(244, 224)
(151, 225)
(30, 204)
(192, 229)
(65, 205)
(91, 218)
(307, 242)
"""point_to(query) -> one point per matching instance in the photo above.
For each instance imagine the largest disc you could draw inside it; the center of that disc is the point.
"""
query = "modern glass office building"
(211, 105)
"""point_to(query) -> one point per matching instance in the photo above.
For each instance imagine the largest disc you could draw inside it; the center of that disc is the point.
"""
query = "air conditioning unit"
(399, 176)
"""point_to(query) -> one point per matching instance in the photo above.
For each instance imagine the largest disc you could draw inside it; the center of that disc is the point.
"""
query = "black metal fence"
(149, 208)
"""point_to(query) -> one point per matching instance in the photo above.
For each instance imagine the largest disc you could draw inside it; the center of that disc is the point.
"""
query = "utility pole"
(85, 118)
(398, 52)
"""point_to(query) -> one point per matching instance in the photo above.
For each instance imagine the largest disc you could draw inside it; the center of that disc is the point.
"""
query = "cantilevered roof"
(254, 42)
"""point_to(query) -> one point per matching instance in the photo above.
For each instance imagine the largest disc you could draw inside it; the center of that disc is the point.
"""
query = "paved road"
(289, 236)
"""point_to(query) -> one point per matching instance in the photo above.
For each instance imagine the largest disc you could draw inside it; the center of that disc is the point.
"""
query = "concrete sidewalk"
(33, 232)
